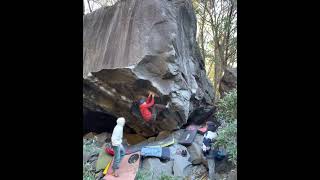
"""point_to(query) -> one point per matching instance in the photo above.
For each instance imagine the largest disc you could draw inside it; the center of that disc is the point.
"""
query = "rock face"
(195, 150)
(134, 138)
(181, 165)
(201, 115)
(163, 135)
(228, 81)
(232, 175)
(97, 122)
(136, 46)
(197, 172)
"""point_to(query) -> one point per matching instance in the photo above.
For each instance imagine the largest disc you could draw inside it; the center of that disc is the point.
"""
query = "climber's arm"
(148, 99)
(149, 104)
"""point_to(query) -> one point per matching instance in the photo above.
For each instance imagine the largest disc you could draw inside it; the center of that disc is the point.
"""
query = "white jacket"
(210, 136)
(117, 134)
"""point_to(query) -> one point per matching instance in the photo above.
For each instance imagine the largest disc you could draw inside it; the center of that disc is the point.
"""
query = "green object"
(103, 160)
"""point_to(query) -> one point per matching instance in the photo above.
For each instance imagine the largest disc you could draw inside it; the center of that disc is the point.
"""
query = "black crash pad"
(187, 137)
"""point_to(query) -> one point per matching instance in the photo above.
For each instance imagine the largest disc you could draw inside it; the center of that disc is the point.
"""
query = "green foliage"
(167, 177)
(143, 175)
(88, 172)
(91, 146)
(227, 132)
(227, 138)
(227, 107)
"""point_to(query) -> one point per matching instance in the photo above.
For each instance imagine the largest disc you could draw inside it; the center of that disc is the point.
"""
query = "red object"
(127, 171)
(110, 151)
(202, 130)
(144, 108)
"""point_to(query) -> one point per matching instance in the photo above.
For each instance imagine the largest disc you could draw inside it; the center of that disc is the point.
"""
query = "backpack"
(220, 154)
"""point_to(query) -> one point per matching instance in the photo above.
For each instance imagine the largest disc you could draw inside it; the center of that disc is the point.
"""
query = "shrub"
(90, 147)
(168, 177)
(227, 107)
(227, 132)
(143, 175)
(88, 172)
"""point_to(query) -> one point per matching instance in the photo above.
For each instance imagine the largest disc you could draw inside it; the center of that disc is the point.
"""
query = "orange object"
(202, 130)
(129, 167)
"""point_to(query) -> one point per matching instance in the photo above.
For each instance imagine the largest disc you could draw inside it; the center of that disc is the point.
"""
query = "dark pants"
(211, 166)
(211, 163)
(156, 109)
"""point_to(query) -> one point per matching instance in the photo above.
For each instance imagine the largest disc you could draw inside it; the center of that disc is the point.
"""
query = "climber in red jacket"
(145, 105)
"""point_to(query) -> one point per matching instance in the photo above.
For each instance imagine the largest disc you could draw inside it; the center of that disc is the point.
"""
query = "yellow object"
(163, 145)
(168, 144)
(106, 169)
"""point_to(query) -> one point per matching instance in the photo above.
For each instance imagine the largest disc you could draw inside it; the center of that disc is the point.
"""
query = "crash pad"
(164, 142)
(103, 160)
(187, 137)
(165, 153)
(156, 151)
(128, 168)
(151, 151)
(137, 147)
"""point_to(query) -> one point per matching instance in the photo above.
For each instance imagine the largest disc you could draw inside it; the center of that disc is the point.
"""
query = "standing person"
(146, 104)
(116, 140)
(208, 149)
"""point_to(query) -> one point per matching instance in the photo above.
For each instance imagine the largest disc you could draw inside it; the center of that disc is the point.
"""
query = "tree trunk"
(209, 70)
(228, 33)
(217, 69)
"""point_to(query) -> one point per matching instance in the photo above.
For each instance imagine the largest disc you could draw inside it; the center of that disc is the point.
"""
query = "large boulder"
(156, 168)
(163, 135)
(97, 122)
(195, 150)
(232, 175)
(134, 138)
(136, 46)
(201, 115)
(228, 81)
(103, 137)
(181, 164)
(197, 172)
